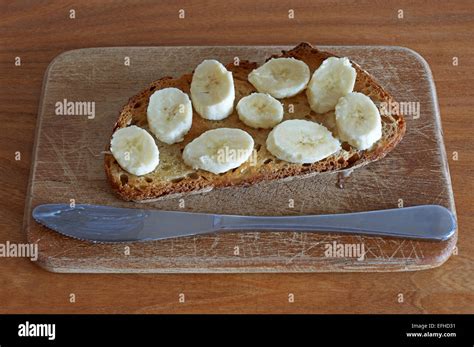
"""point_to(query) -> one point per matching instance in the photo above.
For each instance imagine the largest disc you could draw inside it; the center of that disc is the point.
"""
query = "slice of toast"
(173, 178)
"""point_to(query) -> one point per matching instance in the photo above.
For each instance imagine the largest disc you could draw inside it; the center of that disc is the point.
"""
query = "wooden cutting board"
(68, 164)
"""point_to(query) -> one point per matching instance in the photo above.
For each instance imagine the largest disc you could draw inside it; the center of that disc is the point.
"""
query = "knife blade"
(112, 224)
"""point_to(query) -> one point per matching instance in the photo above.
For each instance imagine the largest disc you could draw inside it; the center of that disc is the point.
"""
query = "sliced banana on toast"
(135, 150)
(212, 90)
(219, 150)
(260, 110)
(170, 115)
(358, 120)
(334, 79)
(281, 77)
(301, 141)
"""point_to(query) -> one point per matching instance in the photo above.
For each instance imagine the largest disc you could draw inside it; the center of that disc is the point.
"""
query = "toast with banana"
(304, 112)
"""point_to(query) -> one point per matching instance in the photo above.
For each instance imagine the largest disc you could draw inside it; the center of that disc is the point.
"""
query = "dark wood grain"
(38, 31)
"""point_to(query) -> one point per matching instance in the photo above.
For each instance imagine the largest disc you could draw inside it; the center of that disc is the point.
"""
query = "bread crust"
(161, 184)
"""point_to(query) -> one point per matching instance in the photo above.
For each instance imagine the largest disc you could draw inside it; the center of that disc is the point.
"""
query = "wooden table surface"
(36, 31)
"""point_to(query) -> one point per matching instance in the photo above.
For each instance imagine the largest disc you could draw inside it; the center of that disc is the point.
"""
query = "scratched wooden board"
(68, 164)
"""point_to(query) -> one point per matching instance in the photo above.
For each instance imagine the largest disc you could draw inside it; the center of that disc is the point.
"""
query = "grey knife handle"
(432, 222)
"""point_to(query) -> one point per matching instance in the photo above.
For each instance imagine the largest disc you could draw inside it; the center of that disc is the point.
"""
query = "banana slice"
(260, 110)
(301, 141)
(135, 150)
(212, 90)
(358, 120)
(333, 79)
(170, 115)
(219, 150)
(281, 77)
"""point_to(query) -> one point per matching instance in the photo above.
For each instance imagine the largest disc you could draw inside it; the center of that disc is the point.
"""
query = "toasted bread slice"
(173, 178)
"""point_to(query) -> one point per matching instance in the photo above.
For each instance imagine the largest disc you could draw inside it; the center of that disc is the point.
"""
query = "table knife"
(111, 224)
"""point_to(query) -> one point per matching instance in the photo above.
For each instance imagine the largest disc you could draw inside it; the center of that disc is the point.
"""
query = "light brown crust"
(180, 180)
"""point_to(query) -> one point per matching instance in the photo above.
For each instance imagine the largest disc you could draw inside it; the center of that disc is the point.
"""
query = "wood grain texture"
(39, 31)
(68, 164)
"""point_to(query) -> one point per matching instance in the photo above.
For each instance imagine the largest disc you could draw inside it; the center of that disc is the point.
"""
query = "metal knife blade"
(112, 224)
